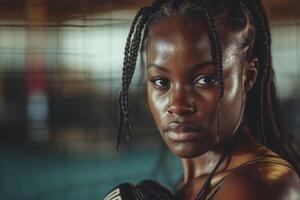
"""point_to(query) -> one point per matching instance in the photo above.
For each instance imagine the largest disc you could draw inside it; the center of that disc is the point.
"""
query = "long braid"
(273, 133)
(133, 44)
(123, 93)
(264, 38)
(216, 56)
(268, 75)
(134, 49)
(136, 46)
(126, 78)
(267, 72)
(217, 59)
(228, 147)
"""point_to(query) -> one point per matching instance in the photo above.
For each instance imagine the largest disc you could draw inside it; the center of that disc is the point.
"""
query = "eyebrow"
(195, 68)
(152, 65)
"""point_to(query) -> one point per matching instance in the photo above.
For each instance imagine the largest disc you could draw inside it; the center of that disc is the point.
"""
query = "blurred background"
(60, 69)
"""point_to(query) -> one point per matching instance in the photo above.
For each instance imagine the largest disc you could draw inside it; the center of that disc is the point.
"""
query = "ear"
(250, 74)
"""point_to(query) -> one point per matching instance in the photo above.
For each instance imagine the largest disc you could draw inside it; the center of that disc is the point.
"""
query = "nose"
(181, 103)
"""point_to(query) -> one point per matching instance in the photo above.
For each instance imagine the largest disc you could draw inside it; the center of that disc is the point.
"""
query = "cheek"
(158, 104)
(207, 101)
(233, 104)
(234, 88)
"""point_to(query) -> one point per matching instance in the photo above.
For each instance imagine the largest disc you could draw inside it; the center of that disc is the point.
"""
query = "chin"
(188, 150)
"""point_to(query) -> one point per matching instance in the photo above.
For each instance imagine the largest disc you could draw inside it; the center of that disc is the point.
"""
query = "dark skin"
(183, 95)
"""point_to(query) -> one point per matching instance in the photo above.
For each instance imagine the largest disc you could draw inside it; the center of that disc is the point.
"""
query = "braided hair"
(262, 110)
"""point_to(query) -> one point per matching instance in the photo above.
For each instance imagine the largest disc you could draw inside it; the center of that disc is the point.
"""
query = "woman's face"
(183, 86)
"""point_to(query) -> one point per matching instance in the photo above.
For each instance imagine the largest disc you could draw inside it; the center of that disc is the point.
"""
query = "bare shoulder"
(261, 181)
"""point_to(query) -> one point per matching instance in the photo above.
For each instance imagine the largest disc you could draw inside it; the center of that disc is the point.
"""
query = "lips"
(182, 131)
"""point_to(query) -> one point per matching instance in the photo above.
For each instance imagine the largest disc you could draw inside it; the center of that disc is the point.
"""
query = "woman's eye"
(160, 83)
(206, 80)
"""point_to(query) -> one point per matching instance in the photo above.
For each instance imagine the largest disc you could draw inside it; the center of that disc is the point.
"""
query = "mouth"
(182, 131)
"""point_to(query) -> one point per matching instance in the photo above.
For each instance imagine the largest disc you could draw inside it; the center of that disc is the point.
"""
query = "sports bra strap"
(269, 158)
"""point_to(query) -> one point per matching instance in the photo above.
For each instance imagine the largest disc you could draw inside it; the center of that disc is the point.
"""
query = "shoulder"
(260, 182)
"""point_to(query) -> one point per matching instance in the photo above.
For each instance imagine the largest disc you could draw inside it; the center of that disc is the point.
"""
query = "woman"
(212, 95)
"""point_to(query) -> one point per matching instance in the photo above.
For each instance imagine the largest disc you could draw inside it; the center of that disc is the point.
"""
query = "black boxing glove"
(145, 190)
(121, 192)
(150, 190)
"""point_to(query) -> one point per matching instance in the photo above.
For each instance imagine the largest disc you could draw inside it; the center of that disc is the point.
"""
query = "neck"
(200, 166)
(203, 165)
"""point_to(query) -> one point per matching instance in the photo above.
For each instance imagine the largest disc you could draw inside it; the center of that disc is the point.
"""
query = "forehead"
(186, 36)
(179, 30)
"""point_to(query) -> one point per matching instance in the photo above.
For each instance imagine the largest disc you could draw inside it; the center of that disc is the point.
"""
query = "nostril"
(182, 110)
(181, 102)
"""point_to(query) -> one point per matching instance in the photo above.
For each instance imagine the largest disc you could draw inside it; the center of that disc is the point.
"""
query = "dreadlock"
(262, 108)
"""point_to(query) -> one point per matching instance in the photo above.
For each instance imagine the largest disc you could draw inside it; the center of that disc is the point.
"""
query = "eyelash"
(160, 86)
(213, 80)
(164, 83)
